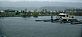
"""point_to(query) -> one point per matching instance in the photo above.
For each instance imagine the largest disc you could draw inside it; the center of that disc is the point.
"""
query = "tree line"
(35, 13)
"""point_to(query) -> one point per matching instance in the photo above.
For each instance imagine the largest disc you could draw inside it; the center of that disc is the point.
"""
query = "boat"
(66, 18)
(63, 18)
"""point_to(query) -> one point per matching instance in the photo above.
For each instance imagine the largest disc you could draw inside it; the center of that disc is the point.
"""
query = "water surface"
(28, 27)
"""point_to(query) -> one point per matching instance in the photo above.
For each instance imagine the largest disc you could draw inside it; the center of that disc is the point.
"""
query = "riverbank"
(34, 14)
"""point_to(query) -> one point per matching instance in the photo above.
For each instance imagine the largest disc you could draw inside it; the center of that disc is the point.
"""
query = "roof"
(62, 14)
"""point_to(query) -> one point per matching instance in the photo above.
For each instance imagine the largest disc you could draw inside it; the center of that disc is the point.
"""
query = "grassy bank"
(35, 14)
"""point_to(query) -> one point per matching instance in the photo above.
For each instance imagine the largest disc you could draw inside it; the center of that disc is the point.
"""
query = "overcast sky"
(45, 0)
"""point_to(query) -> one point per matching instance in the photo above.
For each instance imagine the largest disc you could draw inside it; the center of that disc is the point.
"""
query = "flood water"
(28, 27)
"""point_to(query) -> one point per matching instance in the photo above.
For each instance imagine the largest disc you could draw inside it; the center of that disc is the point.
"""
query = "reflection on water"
(27, 27)
(1, 29)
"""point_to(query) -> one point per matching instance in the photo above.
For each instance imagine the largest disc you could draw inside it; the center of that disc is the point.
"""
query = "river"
(28, 27)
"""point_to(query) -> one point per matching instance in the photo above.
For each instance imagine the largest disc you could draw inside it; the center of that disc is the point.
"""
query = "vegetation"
(35, 13)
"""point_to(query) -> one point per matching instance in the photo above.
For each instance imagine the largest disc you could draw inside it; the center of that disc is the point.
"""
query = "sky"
(18, 3)
(45, 0)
